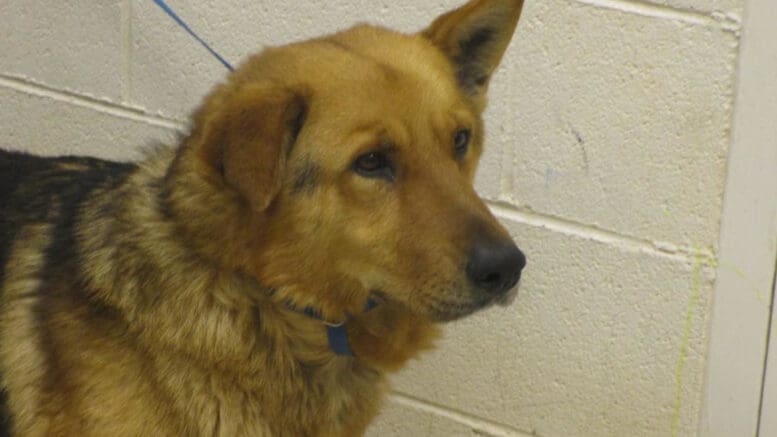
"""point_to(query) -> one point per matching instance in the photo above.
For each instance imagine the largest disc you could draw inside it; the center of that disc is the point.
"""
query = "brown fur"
(151, 300)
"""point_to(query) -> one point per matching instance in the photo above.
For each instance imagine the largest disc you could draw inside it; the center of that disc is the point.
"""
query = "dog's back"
(15, 169)
(29, 183)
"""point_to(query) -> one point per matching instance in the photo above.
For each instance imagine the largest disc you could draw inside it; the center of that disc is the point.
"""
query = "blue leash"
(174, 16)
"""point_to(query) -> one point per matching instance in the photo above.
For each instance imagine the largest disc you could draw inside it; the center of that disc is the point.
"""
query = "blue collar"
(337, 333)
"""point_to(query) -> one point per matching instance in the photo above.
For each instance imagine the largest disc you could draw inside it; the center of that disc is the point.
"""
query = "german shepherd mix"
(226, 286)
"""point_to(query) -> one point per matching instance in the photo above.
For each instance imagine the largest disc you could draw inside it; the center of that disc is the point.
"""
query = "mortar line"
(93, 103)
(715, 19)
(476, 423)
(588, 232)
(126, 47)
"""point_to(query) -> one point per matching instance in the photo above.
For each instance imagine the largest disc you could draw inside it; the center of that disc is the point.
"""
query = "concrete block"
(601, 341)
(616, 120)
(171, 72)
(67, 45)
(44, 126)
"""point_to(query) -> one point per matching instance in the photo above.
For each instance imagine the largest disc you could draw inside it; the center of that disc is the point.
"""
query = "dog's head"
(352, 158)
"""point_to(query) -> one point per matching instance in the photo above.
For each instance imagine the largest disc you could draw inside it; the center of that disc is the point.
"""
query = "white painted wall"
(608, 148)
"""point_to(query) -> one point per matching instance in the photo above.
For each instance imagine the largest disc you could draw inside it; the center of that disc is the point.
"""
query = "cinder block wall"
(607, 144)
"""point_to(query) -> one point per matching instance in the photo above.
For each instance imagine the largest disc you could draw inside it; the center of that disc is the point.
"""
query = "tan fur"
(173, 329)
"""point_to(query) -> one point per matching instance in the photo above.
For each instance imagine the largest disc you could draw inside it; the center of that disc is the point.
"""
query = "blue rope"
(174, 16)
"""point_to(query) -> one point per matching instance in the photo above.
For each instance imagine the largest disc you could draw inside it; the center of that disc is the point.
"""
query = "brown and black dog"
(226, 286)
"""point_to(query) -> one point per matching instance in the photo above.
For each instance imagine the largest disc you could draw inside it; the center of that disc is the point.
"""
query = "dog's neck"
(248, 316)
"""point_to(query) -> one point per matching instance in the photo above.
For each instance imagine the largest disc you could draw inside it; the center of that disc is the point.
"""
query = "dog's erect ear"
(248, 136)
(474, 37)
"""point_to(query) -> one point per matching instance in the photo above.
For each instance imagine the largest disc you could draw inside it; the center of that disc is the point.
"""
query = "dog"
(306, 238)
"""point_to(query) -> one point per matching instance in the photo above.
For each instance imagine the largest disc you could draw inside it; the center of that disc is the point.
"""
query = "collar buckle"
(334, 325)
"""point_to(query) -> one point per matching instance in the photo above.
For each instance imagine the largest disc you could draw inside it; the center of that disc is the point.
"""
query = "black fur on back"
(15, 168)
(29, 184)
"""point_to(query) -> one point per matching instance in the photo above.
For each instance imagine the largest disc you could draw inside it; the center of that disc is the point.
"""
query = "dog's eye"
(461, 142)
(374, 165)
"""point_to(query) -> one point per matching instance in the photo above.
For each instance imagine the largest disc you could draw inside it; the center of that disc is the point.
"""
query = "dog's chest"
(317, 402)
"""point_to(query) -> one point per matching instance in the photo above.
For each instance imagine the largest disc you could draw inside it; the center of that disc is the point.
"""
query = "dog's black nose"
(495, 265)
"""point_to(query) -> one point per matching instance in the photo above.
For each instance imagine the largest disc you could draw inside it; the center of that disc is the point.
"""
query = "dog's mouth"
(448, 310)
(509, 297)
(452, 311)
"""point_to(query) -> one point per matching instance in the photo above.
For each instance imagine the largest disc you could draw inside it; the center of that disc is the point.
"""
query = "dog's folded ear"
(474, 37)
(247, 136)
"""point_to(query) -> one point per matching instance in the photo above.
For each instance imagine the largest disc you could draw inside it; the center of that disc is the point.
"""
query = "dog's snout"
(495, 265)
